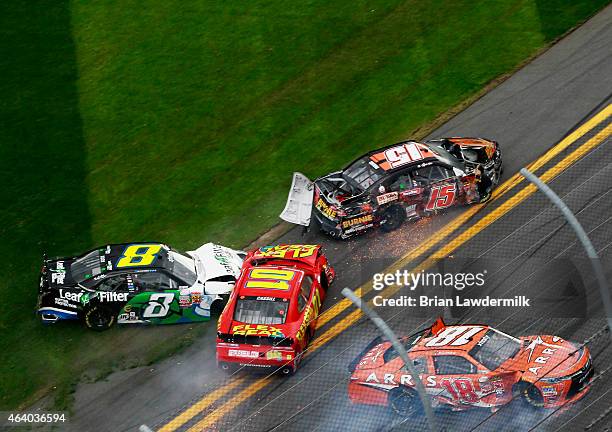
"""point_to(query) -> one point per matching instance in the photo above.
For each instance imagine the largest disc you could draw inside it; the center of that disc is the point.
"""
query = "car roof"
(270, 281)
(107, 260)
(421, 345)
(422, 154)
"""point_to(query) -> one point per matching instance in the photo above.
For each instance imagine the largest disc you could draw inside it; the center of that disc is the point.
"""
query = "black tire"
(405, 401)
(324, 282)
(218, 305)
(529, 393)
(394, 216)
(287, 370)
(99, 318)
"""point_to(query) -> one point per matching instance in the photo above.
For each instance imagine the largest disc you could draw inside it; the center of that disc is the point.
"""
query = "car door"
(455, 379)
(157, 300)
(112, 291)
(308, 305)
(442, 188)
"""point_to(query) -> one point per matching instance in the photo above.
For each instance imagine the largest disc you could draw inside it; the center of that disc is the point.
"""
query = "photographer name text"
(457, 301)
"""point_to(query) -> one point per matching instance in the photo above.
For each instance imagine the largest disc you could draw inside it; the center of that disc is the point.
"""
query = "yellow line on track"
(199, 406)
(444, 251)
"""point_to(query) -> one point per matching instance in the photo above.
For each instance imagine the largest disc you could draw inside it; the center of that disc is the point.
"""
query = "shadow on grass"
(558, 16)
(44, 195)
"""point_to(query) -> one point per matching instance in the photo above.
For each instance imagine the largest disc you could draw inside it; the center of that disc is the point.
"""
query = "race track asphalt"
(528, 114)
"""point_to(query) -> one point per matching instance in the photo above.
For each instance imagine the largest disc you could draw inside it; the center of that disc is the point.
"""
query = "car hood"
(547, 356)
(217, 266)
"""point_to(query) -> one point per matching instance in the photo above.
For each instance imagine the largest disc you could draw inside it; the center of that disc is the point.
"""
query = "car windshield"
(363, 172)
(446, 156)
(183, 267)
(86, 267)
(254, 310)
(495, 348)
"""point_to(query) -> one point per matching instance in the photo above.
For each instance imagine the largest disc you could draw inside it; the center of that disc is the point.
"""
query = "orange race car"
(468, 366)
(271, 314)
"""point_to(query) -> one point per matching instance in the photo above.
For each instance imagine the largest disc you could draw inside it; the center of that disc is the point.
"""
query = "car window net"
(252, 311)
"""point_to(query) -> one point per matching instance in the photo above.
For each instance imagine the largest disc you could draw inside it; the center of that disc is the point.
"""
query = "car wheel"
(394, 217)
(287, 370)
(218, 305)
(404, 401)
(530, 394)
(324, 282)
(99, 318)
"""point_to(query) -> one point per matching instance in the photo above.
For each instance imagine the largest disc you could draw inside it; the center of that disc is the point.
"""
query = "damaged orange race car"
(272, 313)
(466, 366)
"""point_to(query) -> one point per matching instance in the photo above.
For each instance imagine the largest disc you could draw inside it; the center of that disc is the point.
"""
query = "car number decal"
(454, 336)
(442, 196)
(403, 154)
(267, 278)
(460, 389)
(138, 255)
(159, 305)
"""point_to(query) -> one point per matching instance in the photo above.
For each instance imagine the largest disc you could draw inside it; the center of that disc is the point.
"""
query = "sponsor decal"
(196, 297)
(266, 298)
(65, 303)
(70, 296)
(129, 316)
(361, 220)
(85, 298)
(112, 296)
(58, 278)
(274, 355)
(391, 380)
(286, 251)
(549, 391)
(257, 330)
(184, 301)
(545, 354)
(242, 353)
(325, 209)
(312, 312)
(411, 192)
(387, 198)
(223, 257)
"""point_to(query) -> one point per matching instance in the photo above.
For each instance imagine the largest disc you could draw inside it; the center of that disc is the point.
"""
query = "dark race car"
(147, 283)
(404, 181)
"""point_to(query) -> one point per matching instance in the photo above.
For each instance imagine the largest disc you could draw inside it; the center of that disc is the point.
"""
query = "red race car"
(271, 314)
(468, 366)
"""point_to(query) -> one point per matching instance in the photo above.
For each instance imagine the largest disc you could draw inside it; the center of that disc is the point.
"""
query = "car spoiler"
(299, 202)
(437, 326)
(353, 365)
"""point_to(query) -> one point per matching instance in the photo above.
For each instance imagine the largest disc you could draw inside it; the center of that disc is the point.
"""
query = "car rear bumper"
(50, 315)
(253, 357)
